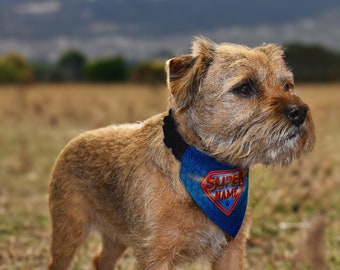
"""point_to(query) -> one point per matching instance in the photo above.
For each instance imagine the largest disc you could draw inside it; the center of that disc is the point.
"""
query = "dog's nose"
(296, 114)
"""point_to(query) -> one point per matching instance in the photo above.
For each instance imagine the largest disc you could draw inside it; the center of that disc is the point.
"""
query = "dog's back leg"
(70, 223)
(111, 252)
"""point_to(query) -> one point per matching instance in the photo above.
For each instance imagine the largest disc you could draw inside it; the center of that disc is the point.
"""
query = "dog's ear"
(181, 80)
(203, 47)
(184, 73)
(274, 52)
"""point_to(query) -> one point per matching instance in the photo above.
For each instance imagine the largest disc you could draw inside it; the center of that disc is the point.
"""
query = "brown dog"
(232, 104)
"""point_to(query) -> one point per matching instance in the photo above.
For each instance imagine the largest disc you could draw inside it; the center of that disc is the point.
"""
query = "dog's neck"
(219, 189)
(172, 139)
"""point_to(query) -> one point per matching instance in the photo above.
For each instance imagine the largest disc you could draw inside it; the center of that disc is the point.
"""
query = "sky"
(43, 29)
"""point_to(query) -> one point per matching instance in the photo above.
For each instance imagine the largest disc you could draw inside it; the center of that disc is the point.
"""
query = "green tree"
(107, 70)
(71, 66)
(313, 63)
(149, 72)
(14, 68)
(42, 71)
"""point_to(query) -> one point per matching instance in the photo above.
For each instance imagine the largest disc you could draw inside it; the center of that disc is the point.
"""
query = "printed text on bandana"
(224, 188)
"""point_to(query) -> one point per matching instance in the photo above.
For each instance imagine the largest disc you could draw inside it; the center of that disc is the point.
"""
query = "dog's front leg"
(233, 255)
(231, 258)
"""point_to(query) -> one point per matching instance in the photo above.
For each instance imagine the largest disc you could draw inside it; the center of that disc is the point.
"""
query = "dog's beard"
(249, 145)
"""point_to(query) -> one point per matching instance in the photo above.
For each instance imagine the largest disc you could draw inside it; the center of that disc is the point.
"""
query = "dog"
(174, 187)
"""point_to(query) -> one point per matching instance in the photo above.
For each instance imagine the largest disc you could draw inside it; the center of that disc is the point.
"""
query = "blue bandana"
(219, 189)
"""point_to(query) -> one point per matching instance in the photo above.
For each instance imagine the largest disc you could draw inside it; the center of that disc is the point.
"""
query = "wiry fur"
(123, 180)
(254, 130)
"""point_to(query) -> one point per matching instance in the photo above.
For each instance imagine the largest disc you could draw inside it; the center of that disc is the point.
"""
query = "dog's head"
(238, 104)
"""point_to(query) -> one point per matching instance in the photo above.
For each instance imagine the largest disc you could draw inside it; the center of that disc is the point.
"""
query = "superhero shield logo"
(224, 188)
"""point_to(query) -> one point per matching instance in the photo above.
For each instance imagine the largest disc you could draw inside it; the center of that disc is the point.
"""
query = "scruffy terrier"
(175, 186)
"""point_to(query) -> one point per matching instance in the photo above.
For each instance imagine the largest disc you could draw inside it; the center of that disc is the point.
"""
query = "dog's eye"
(288, 86)
(244, 90)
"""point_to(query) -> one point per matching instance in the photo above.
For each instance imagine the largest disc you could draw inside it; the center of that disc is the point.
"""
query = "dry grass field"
(295, 210)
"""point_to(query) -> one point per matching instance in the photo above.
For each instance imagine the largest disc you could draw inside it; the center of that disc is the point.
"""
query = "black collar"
(172, 139)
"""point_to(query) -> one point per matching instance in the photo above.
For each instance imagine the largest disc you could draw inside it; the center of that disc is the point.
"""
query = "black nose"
(296, 114)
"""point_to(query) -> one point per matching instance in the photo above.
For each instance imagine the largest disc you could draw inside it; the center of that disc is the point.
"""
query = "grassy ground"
(296, 210)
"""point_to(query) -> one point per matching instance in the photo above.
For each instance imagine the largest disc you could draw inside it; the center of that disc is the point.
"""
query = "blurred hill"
(153, 28)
